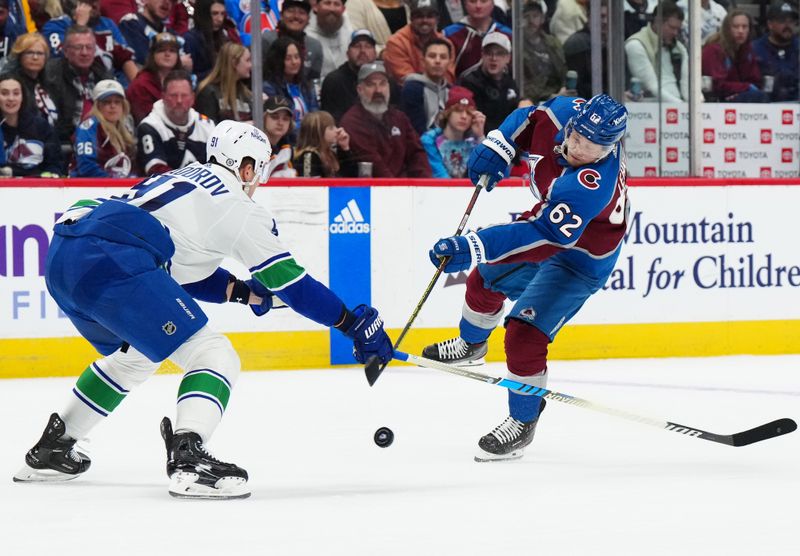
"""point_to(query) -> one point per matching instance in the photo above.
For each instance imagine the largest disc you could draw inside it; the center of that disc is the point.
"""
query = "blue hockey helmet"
(601, 119)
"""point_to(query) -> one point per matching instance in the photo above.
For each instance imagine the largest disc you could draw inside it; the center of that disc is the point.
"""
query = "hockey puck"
(384, 437)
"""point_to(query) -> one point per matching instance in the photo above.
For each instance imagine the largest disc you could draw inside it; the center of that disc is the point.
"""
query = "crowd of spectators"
(122, 88)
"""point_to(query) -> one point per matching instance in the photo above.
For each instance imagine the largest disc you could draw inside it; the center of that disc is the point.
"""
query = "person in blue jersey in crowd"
(286, 77)
(141, 28)
(112, 48)
(30, 146)
(239, 13)
(552, 258)
(128, 270)
(104, 146)
(10, 29)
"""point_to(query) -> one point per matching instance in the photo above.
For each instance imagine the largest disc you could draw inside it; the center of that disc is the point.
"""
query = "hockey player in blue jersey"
(127, 271)
(551, 259)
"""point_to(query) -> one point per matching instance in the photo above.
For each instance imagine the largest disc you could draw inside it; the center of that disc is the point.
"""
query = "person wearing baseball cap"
(467, 34)
(403, 54)
(339, 88)
(103, 145)
(777, 52)
(496, 92)
(279, 127)
(380, 133)
(295, 16)
(459, 130)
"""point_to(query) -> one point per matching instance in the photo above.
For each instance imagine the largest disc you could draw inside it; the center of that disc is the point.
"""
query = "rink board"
(708, 267)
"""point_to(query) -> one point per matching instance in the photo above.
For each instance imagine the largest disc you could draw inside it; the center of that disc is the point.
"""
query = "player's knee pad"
(127, 367)
(210, 351)
(526, 352)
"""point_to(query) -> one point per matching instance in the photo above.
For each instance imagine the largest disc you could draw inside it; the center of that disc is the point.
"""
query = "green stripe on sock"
(276, 276)
(208, 384)
(98, 391)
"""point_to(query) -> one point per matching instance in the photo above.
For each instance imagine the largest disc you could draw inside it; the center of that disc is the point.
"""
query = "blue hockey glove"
(461, 250)
(492, 158)
(368, 335)
(266, 297)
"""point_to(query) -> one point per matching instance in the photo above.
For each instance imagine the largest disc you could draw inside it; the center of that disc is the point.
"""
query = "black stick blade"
(373, 369)
(770, 430)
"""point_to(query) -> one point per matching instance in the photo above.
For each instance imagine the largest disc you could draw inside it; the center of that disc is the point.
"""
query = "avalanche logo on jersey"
(589, 178)
(118, 166)
(28, 153)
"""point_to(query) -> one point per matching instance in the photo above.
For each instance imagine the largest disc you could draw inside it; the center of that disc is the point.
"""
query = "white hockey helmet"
(231, 142)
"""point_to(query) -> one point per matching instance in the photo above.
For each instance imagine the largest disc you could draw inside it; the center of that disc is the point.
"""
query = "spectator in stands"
(543, 63)
(45, 10)
(139, 29)
(424, 94)
(404, 50)
(496, 93)
(460, 128)
(636, 14)
(225, 94)
(711, 14)
(728, 58)
(660, 39)
(467, 35)
(69, 80)
(381, 134)
(27, 62)
(104, 145)
(383, 18)
(339, 88)
(451, 11)
(777, 51)
(323, 149)
(570, 17)
(332, 28)
(292, 25)
(287, 78)
(113, 50)
(174, 134)
(9, 30)
(30, 146)
(239, 13)
(212, 29)
(279, 127)
(578, 54)
(146, 88)
(115, 10)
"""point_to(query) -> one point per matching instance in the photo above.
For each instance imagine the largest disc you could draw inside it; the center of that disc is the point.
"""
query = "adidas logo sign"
(349, 221)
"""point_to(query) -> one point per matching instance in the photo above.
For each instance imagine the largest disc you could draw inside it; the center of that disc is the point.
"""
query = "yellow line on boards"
(49, 357)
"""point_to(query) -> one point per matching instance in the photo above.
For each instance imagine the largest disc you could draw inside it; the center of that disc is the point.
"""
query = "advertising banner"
(739, 140)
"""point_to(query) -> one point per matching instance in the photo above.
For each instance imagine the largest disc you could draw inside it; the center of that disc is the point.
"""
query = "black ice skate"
(54, 457)
(456, 351)
(195, 473)
(508, 440)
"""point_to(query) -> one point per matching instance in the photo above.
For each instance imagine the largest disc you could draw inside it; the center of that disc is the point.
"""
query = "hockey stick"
(757, 434)
(373, 370)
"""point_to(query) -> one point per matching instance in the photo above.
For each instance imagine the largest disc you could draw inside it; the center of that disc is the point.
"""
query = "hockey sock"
(96, 395)
(523, 407)
(202, 398)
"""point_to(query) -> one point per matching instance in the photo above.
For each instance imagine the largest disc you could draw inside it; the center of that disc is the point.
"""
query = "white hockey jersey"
(209, 218)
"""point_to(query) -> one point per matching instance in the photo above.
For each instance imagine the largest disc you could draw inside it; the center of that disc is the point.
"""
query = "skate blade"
(30, 475)
(184, 485)
(483, 456)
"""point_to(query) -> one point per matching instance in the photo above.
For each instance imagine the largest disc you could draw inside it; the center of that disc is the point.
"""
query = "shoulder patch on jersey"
(576, 103)
(87, 123)
(589, 178)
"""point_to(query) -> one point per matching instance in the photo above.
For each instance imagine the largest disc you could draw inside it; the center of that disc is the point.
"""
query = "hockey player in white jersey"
(127, 271)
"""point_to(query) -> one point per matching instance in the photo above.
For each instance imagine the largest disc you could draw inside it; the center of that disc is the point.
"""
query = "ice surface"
(590, 484)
